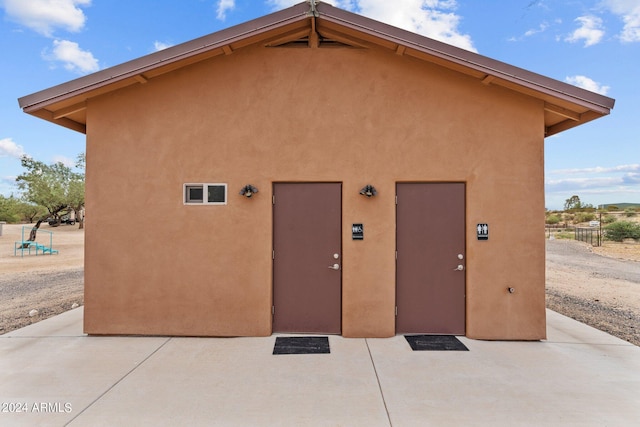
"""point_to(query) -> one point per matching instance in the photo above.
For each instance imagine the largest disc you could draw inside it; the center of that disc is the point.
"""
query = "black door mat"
(435, 343)
(301, 345)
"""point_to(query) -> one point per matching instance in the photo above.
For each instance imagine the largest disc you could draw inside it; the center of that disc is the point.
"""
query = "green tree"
(13, 209)
(9, 209)
(572, 203)
(46, 185)
(76, 191)
(29, 212)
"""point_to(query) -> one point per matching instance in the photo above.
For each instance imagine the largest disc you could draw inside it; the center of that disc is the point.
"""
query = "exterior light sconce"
(248, 191)
(369, 190)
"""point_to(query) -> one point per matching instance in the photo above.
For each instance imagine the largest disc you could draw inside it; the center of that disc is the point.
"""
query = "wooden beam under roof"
(555, 109)
(141, 78)
(570, 123)
(339, 37)
(488, 79)
(288, 37)
(63, 121)
(326, 26)
(64, 112)
(314, 39)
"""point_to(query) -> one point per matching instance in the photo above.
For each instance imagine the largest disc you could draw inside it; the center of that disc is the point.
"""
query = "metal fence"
(589, 235)
(550, 229)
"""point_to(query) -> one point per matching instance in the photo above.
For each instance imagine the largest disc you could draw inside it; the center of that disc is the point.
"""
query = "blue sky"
(594, 44)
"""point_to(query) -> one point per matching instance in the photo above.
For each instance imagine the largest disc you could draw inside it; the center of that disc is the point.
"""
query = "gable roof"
(565, 105)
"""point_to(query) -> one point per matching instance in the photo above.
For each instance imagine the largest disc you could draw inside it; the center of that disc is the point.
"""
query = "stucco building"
(310, 106)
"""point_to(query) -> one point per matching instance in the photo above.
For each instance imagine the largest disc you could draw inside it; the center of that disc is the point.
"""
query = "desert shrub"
(553, 219)
(608, 219)
(630, 212)
(570, 235)
(584, 217)
(620, 230)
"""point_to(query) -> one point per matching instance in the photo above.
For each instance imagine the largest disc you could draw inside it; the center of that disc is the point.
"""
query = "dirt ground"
(68, 239)
(50, 284)
(597, 286)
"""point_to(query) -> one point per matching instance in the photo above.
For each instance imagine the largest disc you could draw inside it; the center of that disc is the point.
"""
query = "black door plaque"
(483, 231)
(357, 231)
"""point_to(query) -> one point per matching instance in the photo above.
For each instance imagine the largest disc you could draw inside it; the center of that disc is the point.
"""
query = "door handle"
(335, 267)
(460, 267)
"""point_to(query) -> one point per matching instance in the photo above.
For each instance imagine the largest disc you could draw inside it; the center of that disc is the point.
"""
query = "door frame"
(465, 262)
(273, 245)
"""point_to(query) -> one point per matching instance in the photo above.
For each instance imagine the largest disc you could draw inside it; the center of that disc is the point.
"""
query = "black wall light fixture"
(248, 190)
(368, 190)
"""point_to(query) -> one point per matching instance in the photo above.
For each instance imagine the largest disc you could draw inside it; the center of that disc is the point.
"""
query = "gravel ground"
(600, 291)
(49, 293)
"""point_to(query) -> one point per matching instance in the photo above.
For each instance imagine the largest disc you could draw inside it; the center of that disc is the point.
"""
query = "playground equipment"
(28, 245)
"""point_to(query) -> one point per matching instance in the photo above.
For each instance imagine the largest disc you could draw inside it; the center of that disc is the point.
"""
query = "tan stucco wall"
(356, 116)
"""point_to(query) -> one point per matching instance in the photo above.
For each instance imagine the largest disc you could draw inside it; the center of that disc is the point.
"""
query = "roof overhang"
(565, 105)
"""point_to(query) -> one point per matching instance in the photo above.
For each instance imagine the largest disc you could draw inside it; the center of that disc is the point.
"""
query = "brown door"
(430, 269)
(307, 261)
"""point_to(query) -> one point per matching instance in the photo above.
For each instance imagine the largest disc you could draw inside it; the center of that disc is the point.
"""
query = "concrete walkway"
(52, 374)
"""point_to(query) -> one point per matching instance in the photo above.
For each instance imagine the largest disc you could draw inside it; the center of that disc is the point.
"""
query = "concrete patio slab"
(226, 382)
(52, 374)
(49, 371)
(556, 382)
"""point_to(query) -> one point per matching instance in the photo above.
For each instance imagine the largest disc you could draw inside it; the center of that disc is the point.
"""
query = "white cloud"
(591, 31)
(342, 4)
(614, 184)
(157, 45)
(599, 169)
(223, 7)
(588, 84)
(629, 11)
(73, 58)
(282, 4)
(8, 148)
(431, 18)
(44, 16)
(573, 184)
(541, 29)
